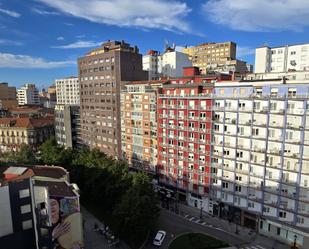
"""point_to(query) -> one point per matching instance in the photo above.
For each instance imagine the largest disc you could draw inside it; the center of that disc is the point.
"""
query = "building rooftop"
(9, 173)
(61, 189)
(26, 122)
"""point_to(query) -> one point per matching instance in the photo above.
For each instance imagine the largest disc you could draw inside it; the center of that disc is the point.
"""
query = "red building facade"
(184, 136)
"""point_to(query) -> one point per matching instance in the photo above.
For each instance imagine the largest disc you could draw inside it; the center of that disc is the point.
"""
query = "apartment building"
(288, 58)
(139, 124)
(67, 90)
(67, 125)
(151, 64)
(293, 75)
(184, 139)
(102, 72)
(15, 131)
(28, 95)
(7, 96)
(168, 64)
(34, 200)
(207, 55)
(260, 157)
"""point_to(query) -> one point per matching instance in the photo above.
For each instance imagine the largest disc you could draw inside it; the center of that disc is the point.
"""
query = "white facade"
(304, 75)
(282, 59)
(168, 64)
(67, 90)
(28, 95)
(261, 155)
(171, 64)
(150, 64)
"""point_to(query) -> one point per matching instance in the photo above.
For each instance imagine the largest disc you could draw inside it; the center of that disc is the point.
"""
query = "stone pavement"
(254, 240)
(93, 240)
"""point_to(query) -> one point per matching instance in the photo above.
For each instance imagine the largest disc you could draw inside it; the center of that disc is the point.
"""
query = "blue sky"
(40, 40)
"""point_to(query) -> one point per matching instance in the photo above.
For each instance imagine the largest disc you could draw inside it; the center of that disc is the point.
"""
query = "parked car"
(158, 240)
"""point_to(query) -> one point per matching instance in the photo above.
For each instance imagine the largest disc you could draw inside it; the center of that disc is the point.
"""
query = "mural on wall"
(66, 222)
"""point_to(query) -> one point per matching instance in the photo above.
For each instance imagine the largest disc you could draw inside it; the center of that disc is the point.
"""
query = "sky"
(40, 40)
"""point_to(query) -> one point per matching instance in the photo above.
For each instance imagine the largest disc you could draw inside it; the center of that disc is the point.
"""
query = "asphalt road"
(175, 225)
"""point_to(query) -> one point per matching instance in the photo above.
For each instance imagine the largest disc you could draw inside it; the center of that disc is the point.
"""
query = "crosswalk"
(203, 223)
(252, 247)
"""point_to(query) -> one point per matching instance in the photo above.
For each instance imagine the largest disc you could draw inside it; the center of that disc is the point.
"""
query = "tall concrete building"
(67, 118)
(209, 56)
(139, 124)
(282, 59)
(260, 157)
(67, 125)
(67, 91)
(102, 72)
(28, 95)
(7, 96)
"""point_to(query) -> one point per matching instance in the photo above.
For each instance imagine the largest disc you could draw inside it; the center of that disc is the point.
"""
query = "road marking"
(260, 247)
(186, 215)
(191, 219)
(197, 221)
(204, 223)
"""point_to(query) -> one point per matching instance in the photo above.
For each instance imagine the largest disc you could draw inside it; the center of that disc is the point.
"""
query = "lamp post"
(294, 244)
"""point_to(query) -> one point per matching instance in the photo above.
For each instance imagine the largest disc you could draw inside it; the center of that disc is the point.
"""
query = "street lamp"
(294, 244)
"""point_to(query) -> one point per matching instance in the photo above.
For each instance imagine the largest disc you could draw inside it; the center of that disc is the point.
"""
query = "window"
(225, 185)
(24, 193)
(238, 188)
(293, 52)
(255, 131)
(25, 209)
(282, 214)
(27, 224)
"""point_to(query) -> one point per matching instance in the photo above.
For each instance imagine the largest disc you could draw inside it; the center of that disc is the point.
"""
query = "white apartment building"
(67, 90)
(260, 161)
(28, 95)
(168, 64)
(282, 59)
(150, 64)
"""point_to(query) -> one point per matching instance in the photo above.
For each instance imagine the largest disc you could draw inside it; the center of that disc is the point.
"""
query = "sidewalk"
(93, 240)
(244, 233)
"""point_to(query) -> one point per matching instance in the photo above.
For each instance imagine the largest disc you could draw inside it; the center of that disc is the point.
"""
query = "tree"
(50, 152)
(136, 214)
(25, 155)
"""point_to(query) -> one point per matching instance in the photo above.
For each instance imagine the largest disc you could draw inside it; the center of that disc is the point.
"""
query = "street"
(175, 225)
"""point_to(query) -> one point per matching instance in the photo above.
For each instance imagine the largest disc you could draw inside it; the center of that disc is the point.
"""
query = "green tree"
(25, 155)
(50, 152)
(136, 214)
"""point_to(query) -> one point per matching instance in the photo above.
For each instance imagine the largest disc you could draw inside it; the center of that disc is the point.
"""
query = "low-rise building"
(15, 131)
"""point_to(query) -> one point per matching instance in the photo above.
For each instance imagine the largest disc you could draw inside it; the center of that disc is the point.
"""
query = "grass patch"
(197, 241)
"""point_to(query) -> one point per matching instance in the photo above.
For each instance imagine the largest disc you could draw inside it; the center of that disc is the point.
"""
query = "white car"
(157, 241)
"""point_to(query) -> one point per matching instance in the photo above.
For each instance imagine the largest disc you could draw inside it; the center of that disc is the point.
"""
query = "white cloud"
(68, 24)
(244, 51)
(161, 14)
(79, 44)
(259, 15)
(26, 61)
(44, 12)
(60, 38)
(10, 42)
(10, 13)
